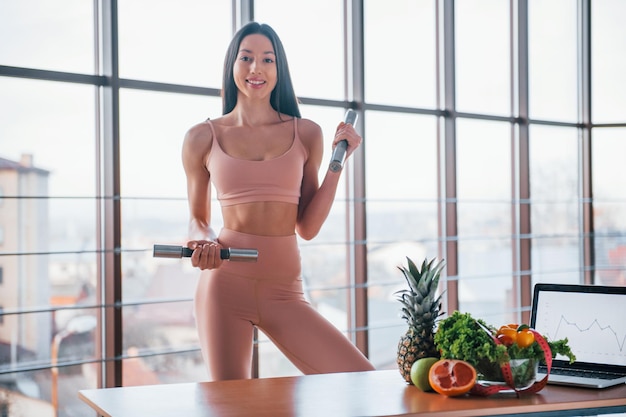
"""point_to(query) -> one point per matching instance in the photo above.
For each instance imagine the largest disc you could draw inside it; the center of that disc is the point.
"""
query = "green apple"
(419, 373)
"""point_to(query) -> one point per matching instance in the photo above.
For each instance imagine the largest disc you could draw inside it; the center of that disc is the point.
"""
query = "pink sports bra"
(240, 181)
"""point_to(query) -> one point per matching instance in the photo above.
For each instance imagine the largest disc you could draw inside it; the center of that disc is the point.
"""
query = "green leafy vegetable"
(460, 336)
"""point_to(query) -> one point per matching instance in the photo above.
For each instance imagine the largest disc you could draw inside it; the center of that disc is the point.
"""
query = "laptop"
(593, 319)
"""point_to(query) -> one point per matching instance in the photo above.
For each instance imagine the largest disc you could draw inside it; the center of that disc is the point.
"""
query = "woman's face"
(255, 71)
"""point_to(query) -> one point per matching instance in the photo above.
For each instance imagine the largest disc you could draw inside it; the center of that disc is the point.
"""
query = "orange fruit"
(452, 377)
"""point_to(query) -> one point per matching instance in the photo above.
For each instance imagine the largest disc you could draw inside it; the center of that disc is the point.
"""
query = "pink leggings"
(231, 300)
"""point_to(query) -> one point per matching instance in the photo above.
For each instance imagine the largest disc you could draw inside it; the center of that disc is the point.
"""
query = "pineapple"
(421, 309)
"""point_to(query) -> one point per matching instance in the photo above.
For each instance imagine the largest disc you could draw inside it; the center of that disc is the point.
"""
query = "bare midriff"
(265, 218)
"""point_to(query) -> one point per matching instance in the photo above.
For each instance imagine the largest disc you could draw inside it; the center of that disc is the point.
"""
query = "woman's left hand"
(345, 131)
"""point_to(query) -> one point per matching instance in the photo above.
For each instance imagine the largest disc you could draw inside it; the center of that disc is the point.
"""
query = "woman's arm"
(316, 200)
(202, 238)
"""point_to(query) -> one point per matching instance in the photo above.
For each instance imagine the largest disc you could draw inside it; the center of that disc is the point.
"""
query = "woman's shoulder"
(200, 135)
(309, 130)
(311, 137)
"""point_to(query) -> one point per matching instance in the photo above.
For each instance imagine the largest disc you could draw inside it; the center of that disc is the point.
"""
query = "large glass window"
(552, 60)
(484, 218)
(48, 174)
(402, 164)
(400, 53)
(554, 191)
(483, 56)
(40, 34)
(53, 130)
(608, 66)
(609, 213)
(179, 43)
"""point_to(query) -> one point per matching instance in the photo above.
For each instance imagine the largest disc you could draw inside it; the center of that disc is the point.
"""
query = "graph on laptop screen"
(594, 324)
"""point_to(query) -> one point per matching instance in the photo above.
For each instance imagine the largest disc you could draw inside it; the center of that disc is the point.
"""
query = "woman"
(263, 159)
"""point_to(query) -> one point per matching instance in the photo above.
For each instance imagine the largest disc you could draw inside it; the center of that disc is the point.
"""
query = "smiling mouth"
(255, 82)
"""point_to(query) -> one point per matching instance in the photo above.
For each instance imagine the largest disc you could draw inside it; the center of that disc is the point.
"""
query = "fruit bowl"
(523, 373)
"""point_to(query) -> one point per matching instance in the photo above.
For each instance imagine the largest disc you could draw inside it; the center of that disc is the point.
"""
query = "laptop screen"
(591, 317)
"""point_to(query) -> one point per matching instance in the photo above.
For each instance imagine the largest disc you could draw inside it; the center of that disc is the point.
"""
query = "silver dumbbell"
(230, 254)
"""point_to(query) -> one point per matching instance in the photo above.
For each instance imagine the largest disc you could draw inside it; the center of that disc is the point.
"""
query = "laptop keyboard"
(584, 373)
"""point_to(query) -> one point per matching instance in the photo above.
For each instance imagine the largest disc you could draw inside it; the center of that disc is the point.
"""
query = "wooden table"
(375, 393)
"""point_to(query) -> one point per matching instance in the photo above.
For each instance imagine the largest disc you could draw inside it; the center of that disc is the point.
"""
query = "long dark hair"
(283, 98)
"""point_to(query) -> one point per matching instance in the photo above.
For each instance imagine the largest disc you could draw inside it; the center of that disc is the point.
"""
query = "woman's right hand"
(206, 254)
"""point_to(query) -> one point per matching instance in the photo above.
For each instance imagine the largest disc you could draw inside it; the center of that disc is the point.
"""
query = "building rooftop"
(24, 165)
